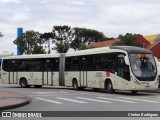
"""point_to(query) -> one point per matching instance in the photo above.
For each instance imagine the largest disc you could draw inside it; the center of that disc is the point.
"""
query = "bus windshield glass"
(143, 66)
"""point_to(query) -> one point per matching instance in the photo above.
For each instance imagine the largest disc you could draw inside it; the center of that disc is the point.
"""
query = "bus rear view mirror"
(126, 60)
(157, 63)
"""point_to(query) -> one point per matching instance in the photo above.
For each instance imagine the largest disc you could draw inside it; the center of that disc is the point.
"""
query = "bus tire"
(75, 84)
(24, 83)
(110, 88)
(37, 86)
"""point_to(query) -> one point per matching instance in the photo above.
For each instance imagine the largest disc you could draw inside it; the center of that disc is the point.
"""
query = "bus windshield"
(143, 66)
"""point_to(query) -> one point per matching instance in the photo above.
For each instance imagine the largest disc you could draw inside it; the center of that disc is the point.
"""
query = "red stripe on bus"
(107, 74)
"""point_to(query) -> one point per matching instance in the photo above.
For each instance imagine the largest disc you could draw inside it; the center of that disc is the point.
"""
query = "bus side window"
(75, 63)
(56, 65)
(123, 69)
(34, 65)
(68, 64)
(5, 65)
(83, 63)
(47, 65)
(14, 65)
(110, 63)
(97, 66)
(91, 62)
(24, 65)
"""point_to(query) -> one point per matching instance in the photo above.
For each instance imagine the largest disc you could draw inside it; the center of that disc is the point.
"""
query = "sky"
(112, 17)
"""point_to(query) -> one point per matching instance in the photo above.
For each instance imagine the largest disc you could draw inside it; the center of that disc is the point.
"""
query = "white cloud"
(76, 2)
(7, 1)
(43, 1)
(20, 18)
(112, 17)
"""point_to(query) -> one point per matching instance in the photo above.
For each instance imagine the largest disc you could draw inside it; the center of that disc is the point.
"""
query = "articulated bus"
(109, 68)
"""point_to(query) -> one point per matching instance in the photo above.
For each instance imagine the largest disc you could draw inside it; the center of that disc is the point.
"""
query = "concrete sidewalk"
(9, 100)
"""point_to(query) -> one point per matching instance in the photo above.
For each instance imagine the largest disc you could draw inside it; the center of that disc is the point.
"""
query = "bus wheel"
(37, 86)
(24, 83)
(75, 85)
(110, 88)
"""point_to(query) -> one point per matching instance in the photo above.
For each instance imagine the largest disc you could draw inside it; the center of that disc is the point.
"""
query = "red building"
(105, 43)
(141, 40)
(156, 50)
(154, 46)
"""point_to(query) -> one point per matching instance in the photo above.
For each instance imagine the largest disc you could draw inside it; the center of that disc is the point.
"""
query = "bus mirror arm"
(126, 60)
(157, 63)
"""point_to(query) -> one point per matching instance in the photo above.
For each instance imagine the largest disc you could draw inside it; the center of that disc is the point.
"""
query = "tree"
(84, 46)
(30, 43)
(63, 35)
(38, 50)
(129, 39)
(61, 46)
(47, 38)
(86, 36)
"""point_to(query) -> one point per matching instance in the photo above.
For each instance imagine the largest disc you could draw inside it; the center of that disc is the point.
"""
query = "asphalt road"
(66, 99)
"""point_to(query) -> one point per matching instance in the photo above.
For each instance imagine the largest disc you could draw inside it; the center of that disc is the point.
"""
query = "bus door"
(13, 77)
(83, 72)
(48, 72)
(122, 72)
(13, 72)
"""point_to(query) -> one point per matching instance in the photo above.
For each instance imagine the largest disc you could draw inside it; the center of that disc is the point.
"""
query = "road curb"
(10, 100)
(15, 106)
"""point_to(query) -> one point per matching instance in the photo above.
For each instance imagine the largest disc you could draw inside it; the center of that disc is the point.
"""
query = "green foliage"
(84, 46)
(127, 40)
(38, 50)
(61, 46)
(30, 43)
(46, 38)
(64, 38)
(86, 36)
(63, 35)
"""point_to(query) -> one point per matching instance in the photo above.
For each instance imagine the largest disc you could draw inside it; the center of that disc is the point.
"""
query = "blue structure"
(19, 34)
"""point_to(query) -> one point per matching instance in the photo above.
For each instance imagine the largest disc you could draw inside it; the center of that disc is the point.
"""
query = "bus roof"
(131, 49)
(33, 56)
(90, 51)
